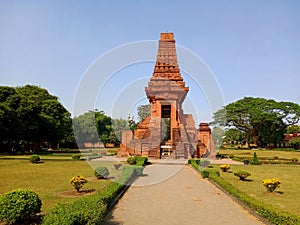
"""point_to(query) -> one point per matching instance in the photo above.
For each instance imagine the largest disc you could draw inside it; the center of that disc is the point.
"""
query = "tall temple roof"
(166, 81)
(166, 66)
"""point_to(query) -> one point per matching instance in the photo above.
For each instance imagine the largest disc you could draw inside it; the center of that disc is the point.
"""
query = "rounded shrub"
(101, 172)
(271, 184)
(225, 167)
(18, 205)
(242, 174)
(78, 181)
(34, 159)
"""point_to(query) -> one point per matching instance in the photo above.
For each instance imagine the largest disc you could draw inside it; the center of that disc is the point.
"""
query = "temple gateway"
(167, 131)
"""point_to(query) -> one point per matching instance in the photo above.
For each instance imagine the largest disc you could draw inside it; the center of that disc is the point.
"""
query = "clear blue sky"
(252, 47)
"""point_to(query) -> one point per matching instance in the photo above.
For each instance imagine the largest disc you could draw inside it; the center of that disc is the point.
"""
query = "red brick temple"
(167, 132)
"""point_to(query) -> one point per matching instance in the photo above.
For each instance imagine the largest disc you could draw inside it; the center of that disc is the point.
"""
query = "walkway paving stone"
(177, 195)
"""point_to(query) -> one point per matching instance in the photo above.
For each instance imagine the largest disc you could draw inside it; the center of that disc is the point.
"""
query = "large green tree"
(30, 116)
(95, 126)
(262, 120)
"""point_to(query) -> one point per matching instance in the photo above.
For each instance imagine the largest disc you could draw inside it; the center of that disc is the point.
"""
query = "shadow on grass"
(247, 180)
(86, 191)
(279, 192)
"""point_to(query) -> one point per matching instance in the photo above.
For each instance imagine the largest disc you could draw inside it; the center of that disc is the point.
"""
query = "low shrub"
(141, 161)
(139, 170)
(131, 160)
(117, 165)
(224, 167)
(202, 162)
(231, 156)
(271, 184)
(242, 174)
(76, 156)
(82, 211)
(205, 174)
(34, 159)
(78, 182)
(101, 172)
(18, 205)
(137, 160)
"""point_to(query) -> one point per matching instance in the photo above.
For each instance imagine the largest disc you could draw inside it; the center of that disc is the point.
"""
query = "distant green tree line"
(258, 120)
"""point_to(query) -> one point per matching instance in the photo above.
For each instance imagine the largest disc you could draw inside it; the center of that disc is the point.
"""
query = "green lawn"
(261, 153)
(49, 177)
(286, 197)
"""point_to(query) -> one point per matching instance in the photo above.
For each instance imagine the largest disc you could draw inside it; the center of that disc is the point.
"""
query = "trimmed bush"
(82, 211)
(202, 162)
(76, 156)
(242, 174)
(78, 182)
(117, 165)
(271, 184)
(141, 161)
(34, 159)
(101, 172)
(137, 160)
(131, 160)
(225, 167)
(205, 174)
(18, 205)
(139, 170)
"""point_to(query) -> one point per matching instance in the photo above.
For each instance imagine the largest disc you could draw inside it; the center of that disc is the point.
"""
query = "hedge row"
(137, 160)
(91, 210)
(267, 211)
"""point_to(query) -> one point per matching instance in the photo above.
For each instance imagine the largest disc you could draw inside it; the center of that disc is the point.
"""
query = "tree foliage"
(293, 129)
(95, 126)
(29, 116)
(143, 111)
(262, 120)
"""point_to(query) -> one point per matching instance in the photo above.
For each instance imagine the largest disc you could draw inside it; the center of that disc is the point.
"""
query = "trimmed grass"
(286, 197)
(49, 177)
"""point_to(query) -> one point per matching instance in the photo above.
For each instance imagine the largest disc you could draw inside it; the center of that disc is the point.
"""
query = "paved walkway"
(176, 195)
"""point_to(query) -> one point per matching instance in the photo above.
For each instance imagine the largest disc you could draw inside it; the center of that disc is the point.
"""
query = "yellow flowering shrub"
(78, 182)
(225, 167)
(271, 184)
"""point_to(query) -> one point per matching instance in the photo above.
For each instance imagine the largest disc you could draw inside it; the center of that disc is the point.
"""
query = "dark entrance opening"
(165, 123)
